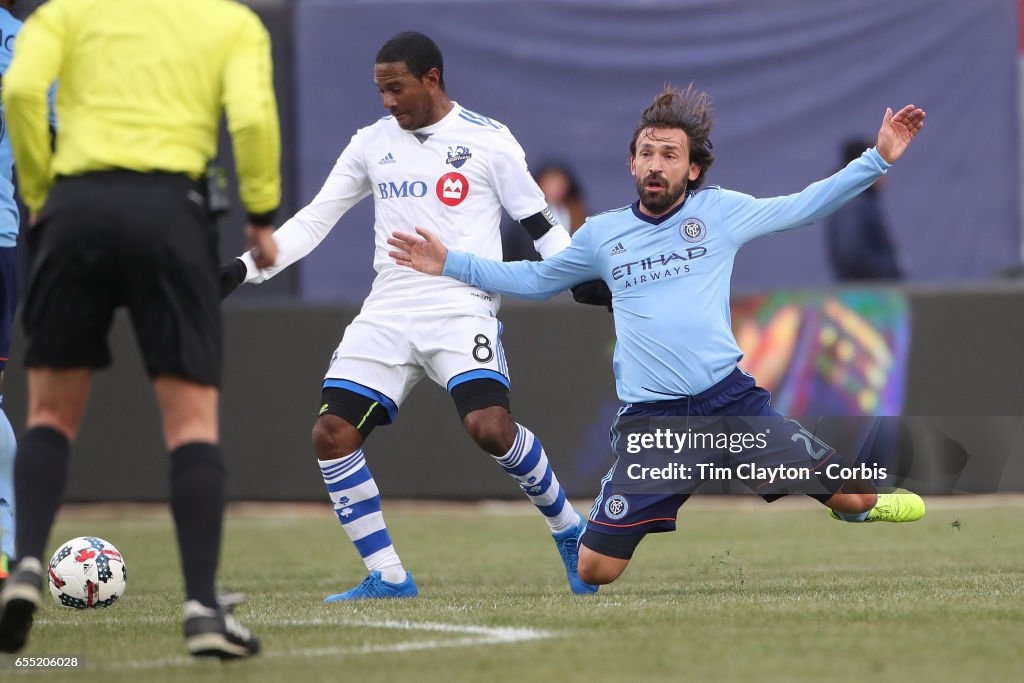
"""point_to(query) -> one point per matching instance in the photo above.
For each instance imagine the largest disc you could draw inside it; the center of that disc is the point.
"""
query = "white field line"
(472, 635)
(255, 620)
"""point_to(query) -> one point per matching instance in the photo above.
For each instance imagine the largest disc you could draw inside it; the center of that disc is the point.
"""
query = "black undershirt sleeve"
(539, 223)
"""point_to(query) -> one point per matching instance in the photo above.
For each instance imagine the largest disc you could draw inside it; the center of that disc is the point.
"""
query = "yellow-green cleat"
(898, 505)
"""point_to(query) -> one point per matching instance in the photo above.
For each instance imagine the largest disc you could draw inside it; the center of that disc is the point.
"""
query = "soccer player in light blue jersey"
(667, 260)
(9, 222)
(9, 219)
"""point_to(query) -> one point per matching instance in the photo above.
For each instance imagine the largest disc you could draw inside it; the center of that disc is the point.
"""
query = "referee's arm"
(252, 121)
(37, 61)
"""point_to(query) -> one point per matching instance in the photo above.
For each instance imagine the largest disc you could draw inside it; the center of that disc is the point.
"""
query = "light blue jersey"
(669, 276)
(9, 27)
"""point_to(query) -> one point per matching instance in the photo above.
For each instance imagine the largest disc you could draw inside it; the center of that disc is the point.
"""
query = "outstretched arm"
(526, 279)
(347, 184)
(748, 217)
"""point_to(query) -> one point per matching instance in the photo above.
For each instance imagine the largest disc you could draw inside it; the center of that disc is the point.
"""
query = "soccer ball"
(87, 572)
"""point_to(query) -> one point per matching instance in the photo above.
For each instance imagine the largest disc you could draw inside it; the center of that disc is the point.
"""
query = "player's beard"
(660, 201)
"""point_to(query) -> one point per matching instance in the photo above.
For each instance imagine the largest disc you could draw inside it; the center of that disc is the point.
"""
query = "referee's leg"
(56, 405)
(190, 424)
(189, 411)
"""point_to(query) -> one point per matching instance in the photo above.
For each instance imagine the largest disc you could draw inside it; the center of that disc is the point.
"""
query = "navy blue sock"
(40, 474)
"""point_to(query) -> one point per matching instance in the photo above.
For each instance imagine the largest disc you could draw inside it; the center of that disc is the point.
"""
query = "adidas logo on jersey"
(617, 249)
(387, 160)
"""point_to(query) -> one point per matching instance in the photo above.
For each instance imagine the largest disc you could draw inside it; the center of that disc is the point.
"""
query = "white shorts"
(384, 353)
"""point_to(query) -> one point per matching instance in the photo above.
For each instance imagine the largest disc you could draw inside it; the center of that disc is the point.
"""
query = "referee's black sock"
(197, 501)
(40, 473)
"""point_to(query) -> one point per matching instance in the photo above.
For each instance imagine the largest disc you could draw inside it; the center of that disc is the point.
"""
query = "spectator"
(565, 200)
(859, 245)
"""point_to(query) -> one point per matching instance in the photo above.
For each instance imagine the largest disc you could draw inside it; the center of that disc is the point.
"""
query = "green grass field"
(743, 592)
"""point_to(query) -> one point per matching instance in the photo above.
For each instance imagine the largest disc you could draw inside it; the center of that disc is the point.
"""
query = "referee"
(120, 217)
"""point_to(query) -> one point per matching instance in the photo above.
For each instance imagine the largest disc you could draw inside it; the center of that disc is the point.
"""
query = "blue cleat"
(374, 587)
(568, 544)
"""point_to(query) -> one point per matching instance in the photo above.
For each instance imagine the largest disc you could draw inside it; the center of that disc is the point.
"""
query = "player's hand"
(898, 130)
(426, 255)
(264, 248)
(33, 218)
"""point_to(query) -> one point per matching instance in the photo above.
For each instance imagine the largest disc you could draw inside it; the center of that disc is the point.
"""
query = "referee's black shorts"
(121, 238)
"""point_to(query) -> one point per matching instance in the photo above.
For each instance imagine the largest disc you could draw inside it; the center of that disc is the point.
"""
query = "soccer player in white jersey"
(430, 162)
(667, 260)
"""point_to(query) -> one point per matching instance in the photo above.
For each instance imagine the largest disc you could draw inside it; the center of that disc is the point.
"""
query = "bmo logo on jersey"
(452, 188)
(393, 190)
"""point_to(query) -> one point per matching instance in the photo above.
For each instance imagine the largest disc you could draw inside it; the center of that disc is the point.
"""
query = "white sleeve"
(521, 196)
(346, 185)
(553, 241)
(511, 179)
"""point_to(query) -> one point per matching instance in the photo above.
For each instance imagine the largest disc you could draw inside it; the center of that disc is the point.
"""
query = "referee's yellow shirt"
(141, 86)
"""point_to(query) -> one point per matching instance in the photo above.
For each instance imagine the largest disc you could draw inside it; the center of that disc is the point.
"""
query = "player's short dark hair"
(418, 52)
(688, 111)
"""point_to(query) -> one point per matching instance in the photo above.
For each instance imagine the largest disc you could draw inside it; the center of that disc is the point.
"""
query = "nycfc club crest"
(693, 230)
(616, 507)
(458, 155)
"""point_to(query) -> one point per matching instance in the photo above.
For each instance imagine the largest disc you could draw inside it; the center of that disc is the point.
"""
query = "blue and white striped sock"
(357, 503)
(527, 463)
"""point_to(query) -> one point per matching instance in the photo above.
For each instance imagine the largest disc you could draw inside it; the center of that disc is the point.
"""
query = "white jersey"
(452, 178)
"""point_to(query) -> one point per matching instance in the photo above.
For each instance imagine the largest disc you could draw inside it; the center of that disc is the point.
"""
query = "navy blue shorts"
(625, 510)
(8, 299)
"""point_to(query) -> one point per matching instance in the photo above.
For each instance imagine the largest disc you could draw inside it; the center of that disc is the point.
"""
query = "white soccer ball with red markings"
(86, 573)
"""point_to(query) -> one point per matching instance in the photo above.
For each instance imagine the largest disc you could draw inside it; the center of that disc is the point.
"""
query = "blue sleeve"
(528, 279)
(748, 217)
(53, 106)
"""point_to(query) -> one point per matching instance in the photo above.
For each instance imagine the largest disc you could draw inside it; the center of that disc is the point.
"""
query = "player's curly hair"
(691, 112)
